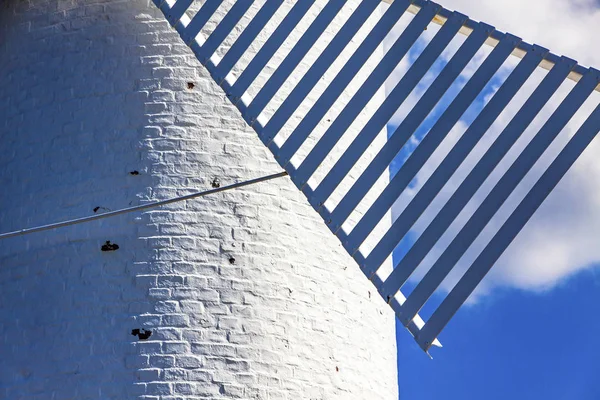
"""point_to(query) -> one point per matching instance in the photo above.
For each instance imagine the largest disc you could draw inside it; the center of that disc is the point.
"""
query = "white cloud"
(562, 237)
(566, 27)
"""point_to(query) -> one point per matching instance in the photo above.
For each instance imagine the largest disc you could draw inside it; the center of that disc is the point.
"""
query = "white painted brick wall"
(92, 90)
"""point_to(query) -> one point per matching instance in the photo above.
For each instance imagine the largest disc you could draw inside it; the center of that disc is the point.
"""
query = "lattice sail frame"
(478, 34)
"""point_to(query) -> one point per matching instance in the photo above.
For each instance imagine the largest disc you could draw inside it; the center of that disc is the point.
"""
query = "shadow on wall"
(71, 115)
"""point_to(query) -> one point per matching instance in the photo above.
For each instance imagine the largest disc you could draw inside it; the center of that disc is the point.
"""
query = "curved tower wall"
(247, 293)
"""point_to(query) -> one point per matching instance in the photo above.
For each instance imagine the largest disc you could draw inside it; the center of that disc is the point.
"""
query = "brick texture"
(247, 293)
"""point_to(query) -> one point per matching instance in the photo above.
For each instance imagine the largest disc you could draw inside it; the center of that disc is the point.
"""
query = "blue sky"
(530, 332)
(514, 345)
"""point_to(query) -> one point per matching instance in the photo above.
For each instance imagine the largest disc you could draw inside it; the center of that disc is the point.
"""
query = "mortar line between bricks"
(109, 214)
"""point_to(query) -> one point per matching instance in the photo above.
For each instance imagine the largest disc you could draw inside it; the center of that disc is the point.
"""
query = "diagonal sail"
(443, 76)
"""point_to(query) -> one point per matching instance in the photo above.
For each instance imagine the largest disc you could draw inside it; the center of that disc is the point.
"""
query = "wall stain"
(142, 334)
(108, 246)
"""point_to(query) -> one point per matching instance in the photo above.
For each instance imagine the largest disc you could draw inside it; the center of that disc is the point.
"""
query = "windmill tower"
(246, 293)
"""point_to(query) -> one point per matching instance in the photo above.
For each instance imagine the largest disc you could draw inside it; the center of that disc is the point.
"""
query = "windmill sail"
(466, 40)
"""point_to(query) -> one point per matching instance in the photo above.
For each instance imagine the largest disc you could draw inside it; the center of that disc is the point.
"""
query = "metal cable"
(140, 207)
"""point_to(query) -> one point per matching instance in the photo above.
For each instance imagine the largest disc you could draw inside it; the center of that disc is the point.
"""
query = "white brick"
(92, 90)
